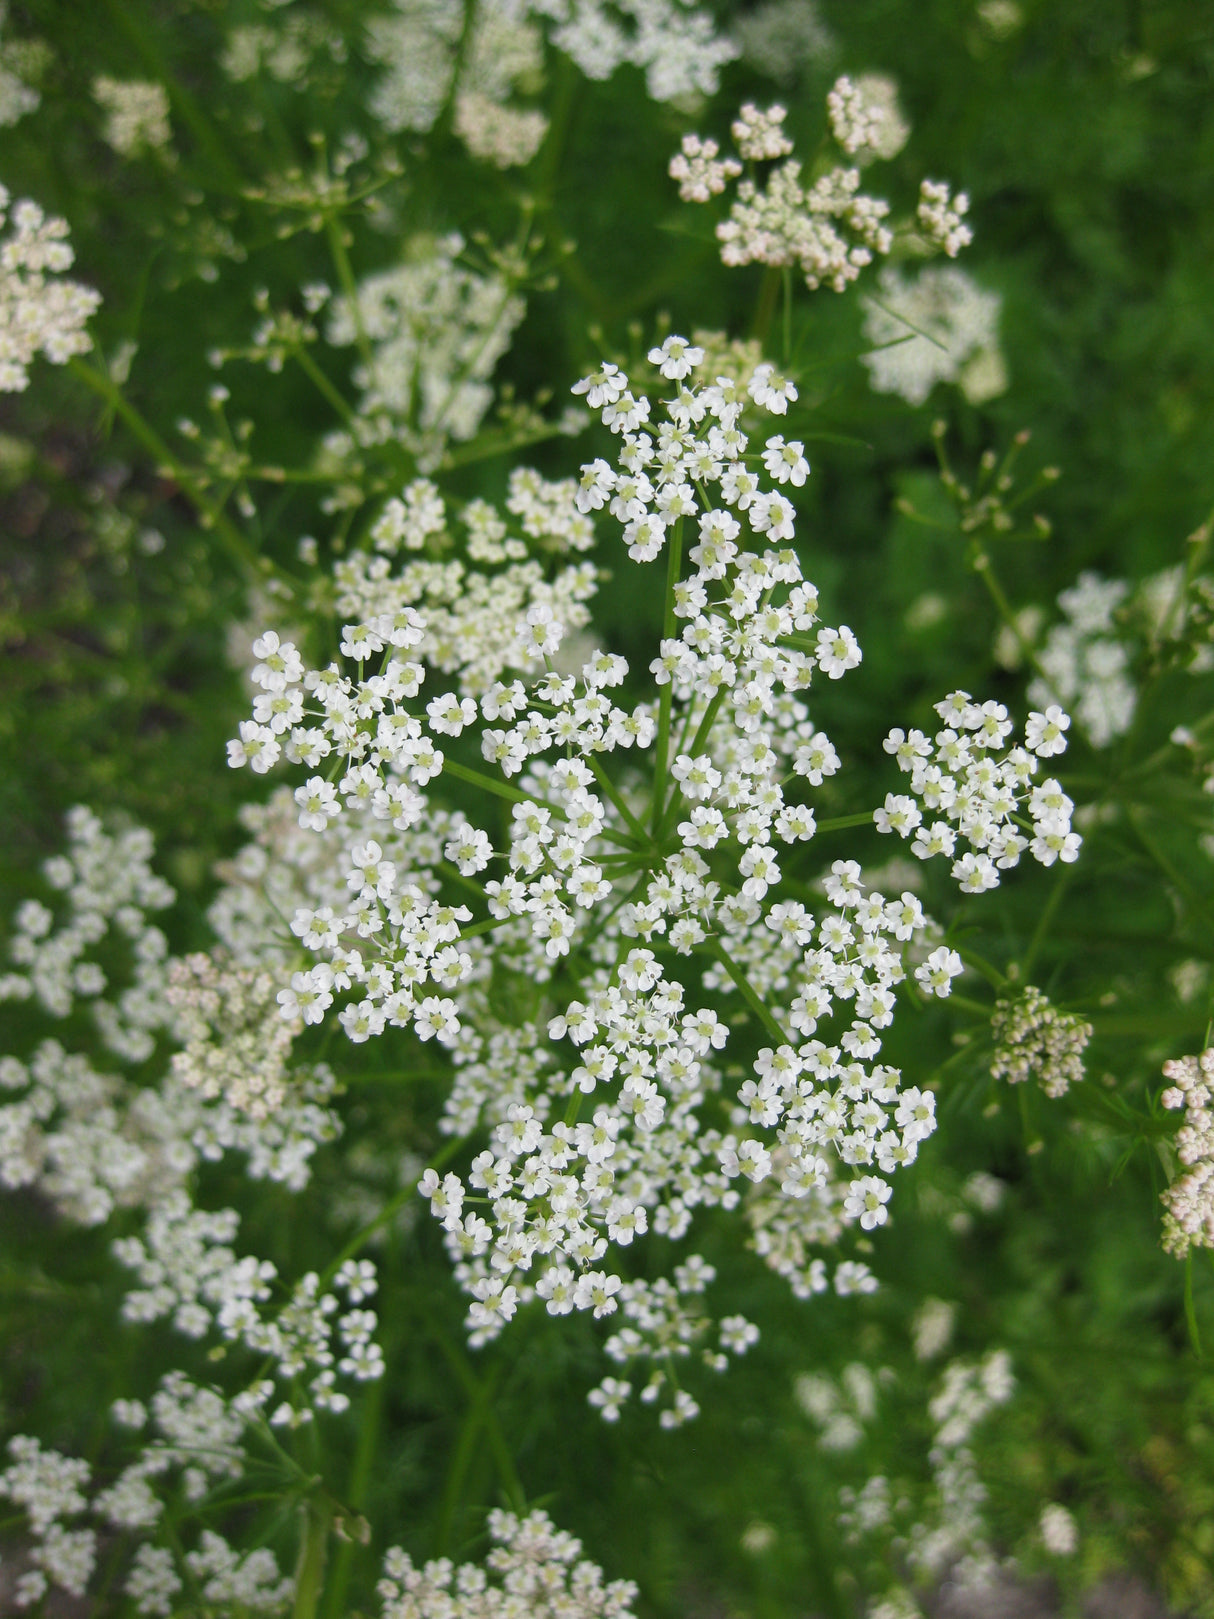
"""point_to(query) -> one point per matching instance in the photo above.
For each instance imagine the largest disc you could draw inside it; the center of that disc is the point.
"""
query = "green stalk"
(487, 926)
(787, 279)
(707, 723)
(1135, 818)
(674, 558)
(500, 789)
(461, 1460)
(481, 1393)
(341, 263)
(389, 1211)
(1190, 1309)
(356, 1495)
(979, 1007)
(608, 786)
(991, 973)
(840, 823)
(983, 568)
(317, 376)
(191, 113)
(750, 994)
(310, 1569)
(1043, 921)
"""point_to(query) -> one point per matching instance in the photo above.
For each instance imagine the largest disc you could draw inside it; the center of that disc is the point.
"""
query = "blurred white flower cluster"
(533, 1568)
(431, 331)
(428, 63)
(929, 1533)
(137, 114)
(39, 313)
(939, 326)
(1189, 1200)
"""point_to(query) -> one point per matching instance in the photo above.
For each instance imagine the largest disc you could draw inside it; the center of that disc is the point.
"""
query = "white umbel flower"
(37, 313)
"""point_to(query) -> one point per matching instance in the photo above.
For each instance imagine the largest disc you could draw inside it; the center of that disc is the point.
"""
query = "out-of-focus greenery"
(1084, 134)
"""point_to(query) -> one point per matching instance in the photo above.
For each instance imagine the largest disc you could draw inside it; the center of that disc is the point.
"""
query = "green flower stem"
(443, 123)
(674, 558)
(671, 811)
(1153, 761)
(468, 370)
(481, 1392)
(356, 1494)
(1044, 920)
(985, 571)
(313, 372)
(989, 971)
(786, 278)
(750, 994)
(310, 1569)
(489, 446)
(513, 795)
(841, 823)
(707, 723)
(500, 789)
(765, 304)
(388, 1213)
(981, 1008)
(487, 926)
(1189, 1307)
(1180, 883)
(461, 1459)
(345, 274)
(612, 792)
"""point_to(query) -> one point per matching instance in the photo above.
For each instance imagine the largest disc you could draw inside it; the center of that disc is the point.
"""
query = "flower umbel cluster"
(943, 1533)
(236, 1044)
(187, 1270)
(533, 1568)
(1085, 662)
(1189, 1201)
(825, 225)
(420, 48)
(1033, 1039)
(634, 911)
(38, 313)
(864, 117)
(939, 327)
(50, 1488)
(137, 114)
(108, 887)
(979, 793)
(433, 330)
(1111, 631)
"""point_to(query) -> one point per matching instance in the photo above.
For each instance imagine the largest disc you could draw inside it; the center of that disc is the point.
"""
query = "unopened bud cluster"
(1034, 1040)
(236, 1043)
(1189, 1201)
